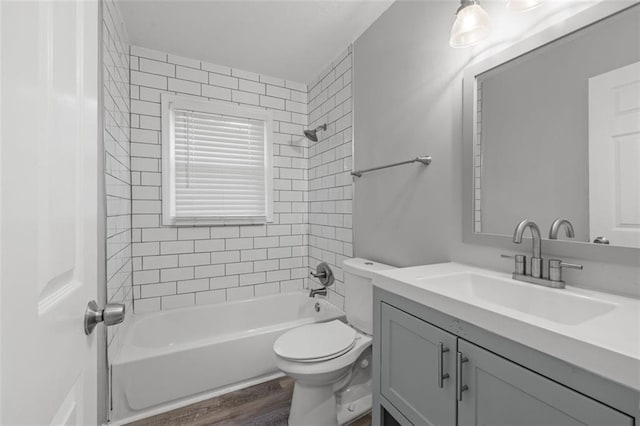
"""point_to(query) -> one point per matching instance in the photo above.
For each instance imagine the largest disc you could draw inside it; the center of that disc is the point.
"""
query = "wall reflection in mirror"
(558, 135)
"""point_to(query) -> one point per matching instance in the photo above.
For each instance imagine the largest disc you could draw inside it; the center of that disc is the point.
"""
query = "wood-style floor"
(266, 404)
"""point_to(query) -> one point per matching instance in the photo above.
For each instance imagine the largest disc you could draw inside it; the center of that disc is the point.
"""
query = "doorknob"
(112, 314)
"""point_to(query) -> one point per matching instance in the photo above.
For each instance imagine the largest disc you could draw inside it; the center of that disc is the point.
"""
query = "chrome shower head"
(312, 135)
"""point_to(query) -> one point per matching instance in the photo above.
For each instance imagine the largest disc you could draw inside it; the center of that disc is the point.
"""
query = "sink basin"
(560, 306)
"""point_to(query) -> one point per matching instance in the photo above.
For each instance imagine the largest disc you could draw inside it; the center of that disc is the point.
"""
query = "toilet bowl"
(331, 362)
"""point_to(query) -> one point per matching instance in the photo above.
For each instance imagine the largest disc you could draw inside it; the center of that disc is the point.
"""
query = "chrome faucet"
(536, 259)
(555, 265)
(315, 291)
(559, 223)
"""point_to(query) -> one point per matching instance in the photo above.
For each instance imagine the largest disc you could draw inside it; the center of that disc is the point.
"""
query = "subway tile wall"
(181, 266)
(117, 161)
(330, 165)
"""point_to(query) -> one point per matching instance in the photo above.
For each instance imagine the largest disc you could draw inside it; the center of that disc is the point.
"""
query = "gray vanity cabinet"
(419, 371)
(414, 355)
(503, 393)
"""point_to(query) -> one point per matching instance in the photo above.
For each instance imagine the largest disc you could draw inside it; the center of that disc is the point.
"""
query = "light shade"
(522, 5)
(471, 25)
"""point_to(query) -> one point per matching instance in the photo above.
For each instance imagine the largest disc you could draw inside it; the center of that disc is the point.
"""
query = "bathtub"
(169, 359)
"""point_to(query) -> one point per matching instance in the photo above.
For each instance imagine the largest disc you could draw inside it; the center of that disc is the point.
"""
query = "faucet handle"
(555, 268)
(520, 262)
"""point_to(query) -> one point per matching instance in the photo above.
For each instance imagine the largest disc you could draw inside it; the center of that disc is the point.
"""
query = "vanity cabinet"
(433, 377)
(416, 374)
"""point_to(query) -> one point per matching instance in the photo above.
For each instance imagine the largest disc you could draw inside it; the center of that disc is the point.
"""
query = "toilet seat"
(316, 342)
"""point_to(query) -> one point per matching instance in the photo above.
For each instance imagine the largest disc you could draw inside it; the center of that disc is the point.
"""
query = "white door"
(48, 211)
(614, 156)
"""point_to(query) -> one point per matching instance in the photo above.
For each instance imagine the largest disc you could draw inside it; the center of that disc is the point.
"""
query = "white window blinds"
(220, 168)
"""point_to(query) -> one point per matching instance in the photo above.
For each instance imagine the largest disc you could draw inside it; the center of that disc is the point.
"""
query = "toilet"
(331, 362)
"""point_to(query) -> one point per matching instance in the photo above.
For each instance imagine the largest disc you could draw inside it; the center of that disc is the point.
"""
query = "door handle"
(459, 386)
(441, 376)
(112, 314)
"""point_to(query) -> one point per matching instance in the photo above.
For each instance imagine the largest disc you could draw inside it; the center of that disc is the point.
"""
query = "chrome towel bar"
(424, 159)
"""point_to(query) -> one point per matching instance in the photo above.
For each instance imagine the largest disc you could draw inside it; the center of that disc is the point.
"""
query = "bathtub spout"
(320, 291)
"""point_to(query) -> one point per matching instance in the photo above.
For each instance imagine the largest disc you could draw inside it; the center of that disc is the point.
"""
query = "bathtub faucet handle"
(324, 274)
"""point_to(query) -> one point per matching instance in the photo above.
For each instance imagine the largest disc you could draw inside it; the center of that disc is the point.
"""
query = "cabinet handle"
(459, 386)
(441, 376)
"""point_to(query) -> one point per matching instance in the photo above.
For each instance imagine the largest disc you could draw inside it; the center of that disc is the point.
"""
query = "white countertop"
(607, 345)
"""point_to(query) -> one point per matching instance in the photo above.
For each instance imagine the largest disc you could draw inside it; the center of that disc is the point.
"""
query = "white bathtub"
(173, 358)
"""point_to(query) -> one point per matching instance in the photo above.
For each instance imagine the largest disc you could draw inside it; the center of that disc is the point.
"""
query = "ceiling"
(292, 39)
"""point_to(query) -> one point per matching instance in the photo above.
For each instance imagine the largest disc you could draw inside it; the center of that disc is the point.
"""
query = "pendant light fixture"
(471, 25)
(522, 5)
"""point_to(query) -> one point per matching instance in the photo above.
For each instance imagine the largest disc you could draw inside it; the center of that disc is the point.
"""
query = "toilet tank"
(358, 291)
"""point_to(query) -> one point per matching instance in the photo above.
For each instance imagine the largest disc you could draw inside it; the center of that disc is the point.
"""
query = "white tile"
(250, 279)
(216, 92)
(194, 259)
(255, 254)
(251, 86)
(239, 243)
(176, 274)
(159, 262)
(281, 275)
(291, 285)
(148, 53)
(253, 231)
(209, 245)
(225, 257)
(193, 233)
(191, 74)
(271, 102)
(191, 286)
(239, 268)
(240, 293)
(210, 297)
(178, 301)
(157, 67)
(209, 271)
(266, 289)
(180, 60)
(224, 282)
(142, 306)
(245, 74)
(145, 249)
(278, 92)
(296, 86)
(223, 81)
(272, 80)
(159, 234)
(219, 69)
(225, 232)
(148, 80)
(184, 86)
(244, 97)
(158, 289)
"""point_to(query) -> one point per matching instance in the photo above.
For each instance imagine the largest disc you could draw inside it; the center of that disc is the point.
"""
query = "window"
(216, 163)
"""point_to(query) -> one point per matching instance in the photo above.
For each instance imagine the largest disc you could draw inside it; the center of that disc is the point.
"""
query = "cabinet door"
(411, 356)
(503, 393)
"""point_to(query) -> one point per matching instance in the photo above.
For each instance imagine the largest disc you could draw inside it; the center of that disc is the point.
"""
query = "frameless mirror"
(557, 134)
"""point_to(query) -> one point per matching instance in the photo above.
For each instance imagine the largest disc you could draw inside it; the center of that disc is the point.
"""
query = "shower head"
(312, 134)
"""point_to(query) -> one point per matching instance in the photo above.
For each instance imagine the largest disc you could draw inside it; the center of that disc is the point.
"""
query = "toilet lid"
(315, 342)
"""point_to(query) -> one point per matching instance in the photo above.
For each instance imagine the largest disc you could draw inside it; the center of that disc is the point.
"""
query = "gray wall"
(535, 119)
(408, 101)
(407, 94)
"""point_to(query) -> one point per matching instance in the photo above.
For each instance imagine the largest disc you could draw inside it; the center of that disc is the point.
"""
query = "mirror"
(557, 134)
